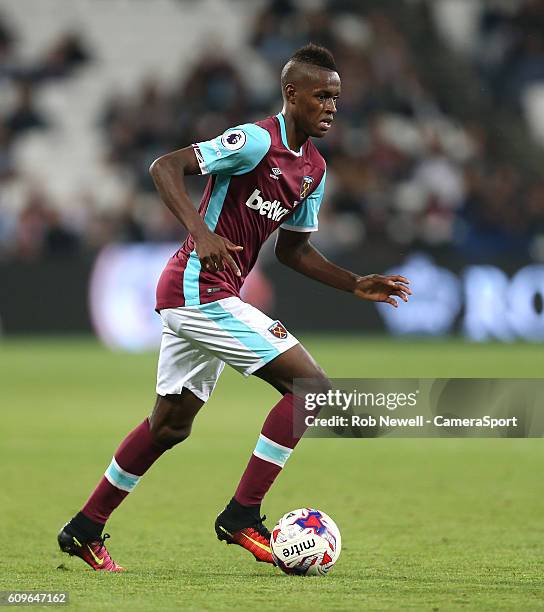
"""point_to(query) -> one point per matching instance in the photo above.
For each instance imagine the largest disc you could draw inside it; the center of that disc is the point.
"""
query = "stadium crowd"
(403, 169)
(510, 49)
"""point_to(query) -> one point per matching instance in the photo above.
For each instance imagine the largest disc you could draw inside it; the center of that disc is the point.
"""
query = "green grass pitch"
(426, 524)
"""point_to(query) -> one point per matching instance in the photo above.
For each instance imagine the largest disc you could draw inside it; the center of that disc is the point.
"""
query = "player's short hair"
(316, 56)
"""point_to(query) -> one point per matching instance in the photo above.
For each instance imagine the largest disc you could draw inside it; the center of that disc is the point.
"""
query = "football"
(306, 542)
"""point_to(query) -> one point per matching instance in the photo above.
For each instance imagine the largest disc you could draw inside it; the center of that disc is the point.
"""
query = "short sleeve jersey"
(256, 185)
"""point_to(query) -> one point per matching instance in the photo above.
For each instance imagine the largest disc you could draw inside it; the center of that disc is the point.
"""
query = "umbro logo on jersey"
(273, 210)
(275, 173)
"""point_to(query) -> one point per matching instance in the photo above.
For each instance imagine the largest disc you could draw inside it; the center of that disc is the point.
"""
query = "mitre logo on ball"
(306, 542)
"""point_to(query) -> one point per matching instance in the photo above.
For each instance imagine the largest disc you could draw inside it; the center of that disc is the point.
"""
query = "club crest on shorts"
(233, 140)
(305, 186)
(277, 329)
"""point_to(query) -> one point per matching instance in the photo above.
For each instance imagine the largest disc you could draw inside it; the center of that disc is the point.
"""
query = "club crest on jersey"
(277, 329)
(305, 186)
(233, 140)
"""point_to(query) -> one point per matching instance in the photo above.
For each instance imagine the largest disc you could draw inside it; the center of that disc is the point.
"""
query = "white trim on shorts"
(198, 340)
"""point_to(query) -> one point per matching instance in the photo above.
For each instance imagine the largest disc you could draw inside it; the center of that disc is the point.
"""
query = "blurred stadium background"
(435, 162)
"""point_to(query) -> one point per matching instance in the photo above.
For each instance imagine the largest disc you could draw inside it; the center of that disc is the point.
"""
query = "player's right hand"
(214, 252)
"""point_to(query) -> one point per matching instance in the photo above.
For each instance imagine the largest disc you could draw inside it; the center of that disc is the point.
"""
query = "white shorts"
(197, 341)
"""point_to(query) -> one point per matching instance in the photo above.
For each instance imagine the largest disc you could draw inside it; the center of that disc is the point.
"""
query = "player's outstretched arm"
(168, 172)
(295, 250)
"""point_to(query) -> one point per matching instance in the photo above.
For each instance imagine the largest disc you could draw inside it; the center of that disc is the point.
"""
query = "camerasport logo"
(277, 329)
(233, 140)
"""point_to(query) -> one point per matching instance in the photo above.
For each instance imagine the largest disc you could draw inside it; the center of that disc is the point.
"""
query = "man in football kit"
(263, 176)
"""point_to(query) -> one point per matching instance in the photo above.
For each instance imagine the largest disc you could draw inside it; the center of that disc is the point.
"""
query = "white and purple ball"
(306, 542)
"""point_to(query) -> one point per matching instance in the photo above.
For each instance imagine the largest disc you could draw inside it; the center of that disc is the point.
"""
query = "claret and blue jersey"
(257, 184)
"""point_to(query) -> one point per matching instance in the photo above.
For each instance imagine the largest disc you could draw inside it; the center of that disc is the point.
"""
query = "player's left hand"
(378, 288)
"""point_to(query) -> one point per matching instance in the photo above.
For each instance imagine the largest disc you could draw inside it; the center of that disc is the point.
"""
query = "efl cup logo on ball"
(306, 542)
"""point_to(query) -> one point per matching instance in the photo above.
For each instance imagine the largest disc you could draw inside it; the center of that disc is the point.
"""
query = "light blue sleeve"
(304, 218)
(236, 151)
